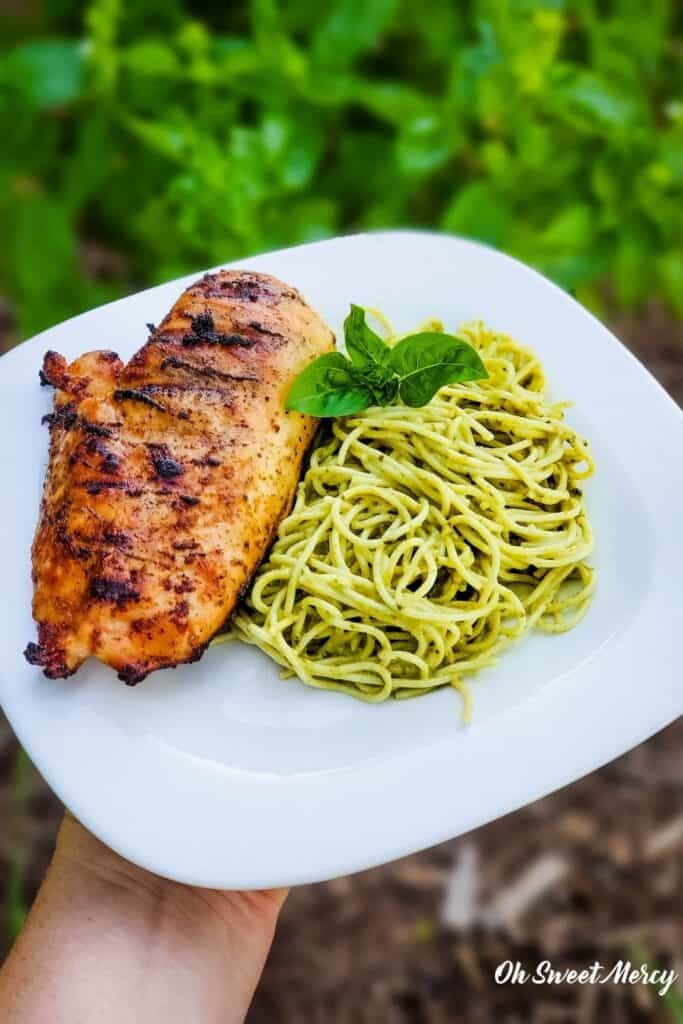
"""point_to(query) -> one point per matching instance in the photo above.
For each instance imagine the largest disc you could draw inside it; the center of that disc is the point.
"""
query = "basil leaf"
(428, 361)
(365, 348)
(383, 389)
(328, 387)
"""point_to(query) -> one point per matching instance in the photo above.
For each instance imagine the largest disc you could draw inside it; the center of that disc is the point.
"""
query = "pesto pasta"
(424, 541)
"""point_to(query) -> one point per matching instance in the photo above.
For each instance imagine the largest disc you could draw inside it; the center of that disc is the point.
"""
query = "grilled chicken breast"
(168, 476)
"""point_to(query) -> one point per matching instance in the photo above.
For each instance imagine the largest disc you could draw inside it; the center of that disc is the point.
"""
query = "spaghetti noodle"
(424, 541)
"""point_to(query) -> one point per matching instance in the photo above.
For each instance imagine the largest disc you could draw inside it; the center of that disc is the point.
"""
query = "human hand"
(111, 943)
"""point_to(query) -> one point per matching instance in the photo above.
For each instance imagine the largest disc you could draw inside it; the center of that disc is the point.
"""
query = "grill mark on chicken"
(75, 544)
(168, 477)
(261, 329)
(66, 418)
(210, 372)
(110, 461)
(137, 395)
(248, 286)
(240, 340)
(96, 428)
(204, 332)
(118, 591)
(95, 487)
(164, 466)
(117, 539)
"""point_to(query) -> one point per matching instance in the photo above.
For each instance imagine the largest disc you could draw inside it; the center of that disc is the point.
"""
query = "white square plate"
(221, 773)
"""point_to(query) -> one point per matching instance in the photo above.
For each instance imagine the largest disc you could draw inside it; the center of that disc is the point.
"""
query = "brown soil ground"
(593, 872)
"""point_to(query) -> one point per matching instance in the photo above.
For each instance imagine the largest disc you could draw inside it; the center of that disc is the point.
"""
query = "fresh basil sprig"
(376, 374)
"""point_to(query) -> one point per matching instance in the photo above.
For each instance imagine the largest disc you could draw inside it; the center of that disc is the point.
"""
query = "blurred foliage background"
(144, 140)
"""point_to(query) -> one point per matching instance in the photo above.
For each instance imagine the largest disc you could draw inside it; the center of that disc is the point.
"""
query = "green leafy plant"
(376, 374)
(143, 141)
